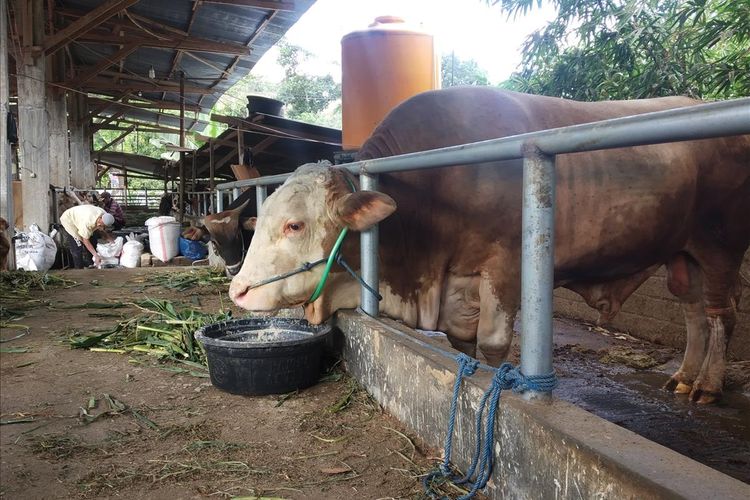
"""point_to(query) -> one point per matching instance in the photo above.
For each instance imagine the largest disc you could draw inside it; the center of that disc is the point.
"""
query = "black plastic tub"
(258, 356)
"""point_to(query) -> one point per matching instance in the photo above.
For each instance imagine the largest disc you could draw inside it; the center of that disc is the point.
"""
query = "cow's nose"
(237, 291)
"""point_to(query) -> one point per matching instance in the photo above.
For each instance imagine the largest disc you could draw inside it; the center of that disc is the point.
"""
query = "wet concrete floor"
(717, 436)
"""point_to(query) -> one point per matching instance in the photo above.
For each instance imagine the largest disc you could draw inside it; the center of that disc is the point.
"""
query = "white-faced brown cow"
(450, 255)
(229, 232)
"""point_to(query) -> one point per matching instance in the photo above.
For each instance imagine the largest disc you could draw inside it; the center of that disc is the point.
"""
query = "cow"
(450, 255)
(228, 231)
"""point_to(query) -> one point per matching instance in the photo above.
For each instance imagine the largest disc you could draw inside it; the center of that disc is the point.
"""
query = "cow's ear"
(248, 223)
(358, 211)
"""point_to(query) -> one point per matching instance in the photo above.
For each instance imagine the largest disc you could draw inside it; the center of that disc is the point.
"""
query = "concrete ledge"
(542, 450)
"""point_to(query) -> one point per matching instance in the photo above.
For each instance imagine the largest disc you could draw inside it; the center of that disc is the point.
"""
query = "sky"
(467, 27)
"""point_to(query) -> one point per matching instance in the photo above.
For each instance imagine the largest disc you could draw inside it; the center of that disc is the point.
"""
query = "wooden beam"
(117, 140)
(258, 4)
(97, 126)
(250, 126)
(143, 127)
(150, 104)
(103, 86)
(174, 43)
(85, 23)
(105, 63)
(262, 145)
(225, 159)
(216, 141)
(258, 30)
(207, 63)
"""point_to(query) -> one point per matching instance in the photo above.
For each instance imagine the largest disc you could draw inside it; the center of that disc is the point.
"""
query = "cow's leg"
(496, 318)
(685, 281)
(720, 289)
(722, 294)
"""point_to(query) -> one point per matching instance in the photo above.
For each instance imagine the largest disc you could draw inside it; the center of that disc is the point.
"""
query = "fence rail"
(538, 150)
(198, 203)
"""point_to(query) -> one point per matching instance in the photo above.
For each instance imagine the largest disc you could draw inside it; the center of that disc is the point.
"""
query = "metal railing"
(538, 150)
(199, 203)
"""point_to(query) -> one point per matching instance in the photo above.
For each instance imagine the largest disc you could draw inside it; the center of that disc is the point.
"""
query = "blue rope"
(506, 377)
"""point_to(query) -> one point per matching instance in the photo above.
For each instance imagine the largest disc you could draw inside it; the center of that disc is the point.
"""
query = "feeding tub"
(256, 356)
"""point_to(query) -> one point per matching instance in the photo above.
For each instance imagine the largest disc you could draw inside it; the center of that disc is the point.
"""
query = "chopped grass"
(19, 283)
(182, 281)
(161, 330)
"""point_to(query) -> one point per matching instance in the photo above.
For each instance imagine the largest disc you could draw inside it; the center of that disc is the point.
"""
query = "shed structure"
(73, 67)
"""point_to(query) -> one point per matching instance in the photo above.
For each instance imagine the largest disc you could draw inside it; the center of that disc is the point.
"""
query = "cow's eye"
(293, 227)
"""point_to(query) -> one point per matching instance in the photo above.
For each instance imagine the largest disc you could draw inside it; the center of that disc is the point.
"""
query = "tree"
(307, 97)
(620, 49)
(234, 100)
(455, 71)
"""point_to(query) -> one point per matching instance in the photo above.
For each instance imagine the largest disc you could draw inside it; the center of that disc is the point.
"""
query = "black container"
(258, 356)
(266, 105)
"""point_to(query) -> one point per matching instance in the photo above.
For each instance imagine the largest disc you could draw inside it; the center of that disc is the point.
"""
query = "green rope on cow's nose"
(329, 264)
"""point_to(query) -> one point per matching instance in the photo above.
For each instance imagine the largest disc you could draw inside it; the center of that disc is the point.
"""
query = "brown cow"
(229, 233)
(450, 256)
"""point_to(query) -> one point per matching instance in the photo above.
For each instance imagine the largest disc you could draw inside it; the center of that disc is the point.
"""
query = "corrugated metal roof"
(147, 33)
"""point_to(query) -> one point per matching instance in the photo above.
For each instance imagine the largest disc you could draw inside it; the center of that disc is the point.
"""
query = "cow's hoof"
(683, 388)
(678, 384)
(703, 397)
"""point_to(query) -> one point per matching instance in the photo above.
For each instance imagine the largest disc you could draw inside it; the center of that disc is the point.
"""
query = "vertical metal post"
(182, 146)
(537, 262)
(369, 253)
(261, 193)
(235, 193)
(219, 201)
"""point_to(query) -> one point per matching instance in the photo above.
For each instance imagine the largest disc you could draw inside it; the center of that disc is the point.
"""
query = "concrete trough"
(542, 450)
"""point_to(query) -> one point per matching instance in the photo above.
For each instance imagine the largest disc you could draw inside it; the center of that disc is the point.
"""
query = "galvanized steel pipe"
(537, 263)
(368, 251)
(261, 193)
(219, 201)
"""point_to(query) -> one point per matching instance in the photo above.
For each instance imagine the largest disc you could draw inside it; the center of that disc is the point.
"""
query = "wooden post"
(182, 145)
(211, 166)
(33, 127)
(6, 174)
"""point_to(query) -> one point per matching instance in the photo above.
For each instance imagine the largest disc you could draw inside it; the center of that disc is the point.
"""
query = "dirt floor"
(82, 424)
(88, 424)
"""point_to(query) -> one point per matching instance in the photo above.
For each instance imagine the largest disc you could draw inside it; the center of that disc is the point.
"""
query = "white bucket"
(164, 237)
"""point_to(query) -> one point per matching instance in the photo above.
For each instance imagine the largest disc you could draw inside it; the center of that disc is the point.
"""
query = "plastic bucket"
(164, 237)
(257, 356)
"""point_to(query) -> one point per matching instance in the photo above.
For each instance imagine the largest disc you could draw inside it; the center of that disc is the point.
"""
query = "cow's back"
(643, 203)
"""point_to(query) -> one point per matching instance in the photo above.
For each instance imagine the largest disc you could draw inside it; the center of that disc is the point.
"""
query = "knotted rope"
(506, 377)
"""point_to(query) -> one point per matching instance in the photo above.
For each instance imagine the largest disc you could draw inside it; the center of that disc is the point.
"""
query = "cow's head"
(228, 231)
(300, 223)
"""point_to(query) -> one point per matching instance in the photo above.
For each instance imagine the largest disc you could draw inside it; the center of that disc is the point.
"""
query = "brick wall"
(652, 313)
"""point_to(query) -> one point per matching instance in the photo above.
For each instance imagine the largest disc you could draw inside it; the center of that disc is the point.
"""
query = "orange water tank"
(381, 67)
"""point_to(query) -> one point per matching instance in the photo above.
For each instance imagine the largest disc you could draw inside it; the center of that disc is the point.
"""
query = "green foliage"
(136, 142)
(234, 100)
(307, 97)
(455, 71)
(622, 49)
